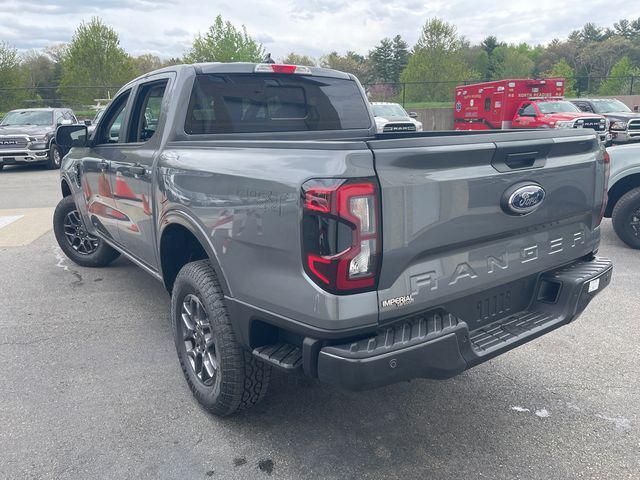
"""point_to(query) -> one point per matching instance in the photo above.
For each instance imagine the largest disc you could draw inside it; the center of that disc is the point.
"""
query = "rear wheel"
(75, 241)
(222, 375)
(55, 157)
(626, 218)
(1, 167)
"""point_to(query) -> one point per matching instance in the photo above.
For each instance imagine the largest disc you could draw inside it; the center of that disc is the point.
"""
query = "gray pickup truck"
(291, 235)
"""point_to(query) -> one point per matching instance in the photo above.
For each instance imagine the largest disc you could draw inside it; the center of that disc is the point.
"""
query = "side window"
(527, 110)
(69, 116)
(111, 126)
(146, 111)
(585, 107)
(58, 117)
(487, 104)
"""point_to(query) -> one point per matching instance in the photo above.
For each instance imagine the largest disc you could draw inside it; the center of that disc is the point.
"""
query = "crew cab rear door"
(448, 225)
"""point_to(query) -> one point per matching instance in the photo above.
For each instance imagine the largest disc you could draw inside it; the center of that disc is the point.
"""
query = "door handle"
(103, 166)
(138, 170)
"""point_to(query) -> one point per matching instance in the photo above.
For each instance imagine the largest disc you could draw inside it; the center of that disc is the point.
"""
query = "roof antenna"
(268, 59)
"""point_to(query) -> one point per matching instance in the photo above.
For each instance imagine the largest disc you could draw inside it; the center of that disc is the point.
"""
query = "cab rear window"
(254, 103)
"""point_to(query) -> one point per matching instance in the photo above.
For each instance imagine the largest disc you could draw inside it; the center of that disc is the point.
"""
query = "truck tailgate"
(448, 229)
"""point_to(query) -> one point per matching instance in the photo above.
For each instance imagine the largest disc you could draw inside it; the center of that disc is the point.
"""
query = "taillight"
(605, 196)
(341, 233)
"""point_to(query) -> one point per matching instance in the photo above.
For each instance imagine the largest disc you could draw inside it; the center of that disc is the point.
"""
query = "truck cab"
(557, 113)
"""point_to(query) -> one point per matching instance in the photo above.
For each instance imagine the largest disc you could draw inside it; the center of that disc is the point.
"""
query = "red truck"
(505, 104)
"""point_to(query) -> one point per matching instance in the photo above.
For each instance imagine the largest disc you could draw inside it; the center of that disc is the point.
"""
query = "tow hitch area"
(440, 343)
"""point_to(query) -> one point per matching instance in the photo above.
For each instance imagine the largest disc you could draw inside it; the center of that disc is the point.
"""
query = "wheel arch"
(618, 189)
(182, 240)
(66, 189)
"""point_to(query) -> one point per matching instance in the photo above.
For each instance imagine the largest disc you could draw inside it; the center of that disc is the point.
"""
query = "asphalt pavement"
(91, 387)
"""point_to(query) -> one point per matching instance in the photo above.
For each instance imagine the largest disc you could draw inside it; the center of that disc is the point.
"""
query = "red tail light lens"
(605, 196)
(341, 234)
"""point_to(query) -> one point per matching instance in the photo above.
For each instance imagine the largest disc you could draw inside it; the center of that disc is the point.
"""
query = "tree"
(12, 79)
(295, 59)
(351, 62)
(388, 59)
(563, 70)
(437, 58)
(223, 42)
(381, 58)
(147, 63)
(619, 82)
(400, 57)
(510, 62)
(94, 59)
(42, 74)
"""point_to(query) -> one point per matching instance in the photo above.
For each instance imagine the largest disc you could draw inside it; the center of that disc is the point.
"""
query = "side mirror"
(413, 114)
(87, 123)
(68, 136)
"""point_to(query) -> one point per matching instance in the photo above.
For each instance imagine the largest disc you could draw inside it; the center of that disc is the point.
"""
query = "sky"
(313, 27)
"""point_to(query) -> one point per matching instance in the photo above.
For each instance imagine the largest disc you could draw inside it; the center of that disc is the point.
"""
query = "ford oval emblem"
(522, 199)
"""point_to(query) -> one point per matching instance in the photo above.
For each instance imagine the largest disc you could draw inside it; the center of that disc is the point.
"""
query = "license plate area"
(494, 304)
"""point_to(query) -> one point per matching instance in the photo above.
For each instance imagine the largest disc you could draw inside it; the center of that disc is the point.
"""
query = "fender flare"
(184, 219)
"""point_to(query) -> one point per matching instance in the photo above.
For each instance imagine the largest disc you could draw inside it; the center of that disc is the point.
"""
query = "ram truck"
(27, 136)
(624, 124)
(291, 235)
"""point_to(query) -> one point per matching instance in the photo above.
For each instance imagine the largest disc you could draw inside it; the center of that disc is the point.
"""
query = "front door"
(96, 170)
(132, 170)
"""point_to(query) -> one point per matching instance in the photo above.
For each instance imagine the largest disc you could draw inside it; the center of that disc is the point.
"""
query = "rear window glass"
(241, 103)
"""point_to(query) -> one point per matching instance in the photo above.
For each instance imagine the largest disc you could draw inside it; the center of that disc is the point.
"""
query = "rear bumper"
(439, 345)
(23, 156)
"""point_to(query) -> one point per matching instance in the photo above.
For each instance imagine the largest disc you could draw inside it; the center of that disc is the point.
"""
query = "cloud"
(311, 27)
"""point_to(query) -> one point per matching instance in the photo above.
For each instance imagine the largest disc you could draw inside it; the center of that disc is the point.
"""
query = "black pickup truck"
(291, 235)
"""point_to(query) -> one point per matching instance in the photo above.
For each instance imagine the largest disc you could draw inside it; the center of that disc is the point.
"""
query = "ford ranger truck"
(291, 235)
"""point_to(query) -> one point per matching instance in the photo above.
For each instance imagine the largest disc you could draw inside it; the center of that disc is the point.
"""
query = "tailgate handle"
(521, 160)
(521, 155)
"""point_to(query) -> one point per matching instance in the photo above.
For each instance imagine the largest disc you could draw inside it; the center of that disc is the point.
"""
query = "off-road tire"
(103, 255)
(243, 379)
(55, 157)
(622, 216)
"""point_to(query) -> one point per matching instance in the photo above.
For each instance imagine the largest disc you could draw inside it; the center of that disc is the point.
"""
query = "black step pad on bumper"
(281, 355)
(437, 344)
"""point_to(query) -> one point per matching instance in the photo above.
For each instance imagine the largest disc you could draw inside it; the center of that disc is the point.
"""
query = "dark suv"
(624, 123)
(28, 136)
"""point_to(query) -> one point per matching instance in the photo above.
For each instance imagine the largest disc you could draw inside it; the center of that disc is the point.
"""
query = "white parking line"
(4, 221)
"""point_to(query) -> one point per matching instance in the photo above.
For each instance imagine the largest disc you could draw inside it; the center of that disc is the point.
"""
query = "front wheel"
(75, 241)
(55, 157)
(222, 375)
(626, 218)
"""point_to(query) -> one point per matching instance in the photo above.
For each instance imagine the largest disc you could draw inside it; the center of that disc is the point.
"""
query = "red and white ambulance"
(523, 103)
